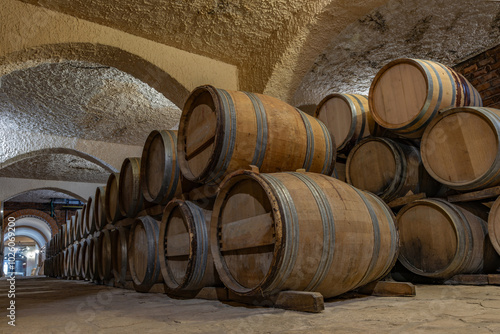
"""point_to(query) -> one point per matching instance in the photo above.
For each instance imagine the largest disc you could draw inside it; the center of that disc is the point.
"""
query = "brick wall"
(483, 71)
(59, 212)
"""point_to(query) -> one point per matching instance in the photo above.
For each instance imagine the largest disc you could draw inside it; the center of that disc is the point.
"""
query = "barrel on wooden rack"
(100, 219)
(440, 240)
(347, 117)
(185, 258)
(295, 231)
(160, 175)
(494, 225)
(407, 94)
(120, 268)
(104, 253)
(389, 168)
(143, 256)
(89, 216)
(76, 226)
(82, 261)
(112, 207)
(92, 258)
(130, 197)
(83, 232)
(221, 131)
(461, 148)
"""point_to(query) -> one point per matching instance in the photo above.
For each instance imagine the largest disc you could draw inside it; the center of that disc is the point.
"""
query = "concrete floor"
(45, 305)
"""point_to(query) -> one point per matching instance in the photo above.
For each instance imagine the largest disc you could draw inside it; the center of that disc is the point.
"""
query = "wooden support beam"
(388, 289)
(402, 201)
(300, 301)
(475, 195)
(494, 279)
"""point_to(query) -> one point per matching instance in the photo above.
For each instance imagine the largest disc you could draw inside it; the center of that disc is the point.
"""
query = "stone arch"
(36, 214)
(61, 190)
(105, 55)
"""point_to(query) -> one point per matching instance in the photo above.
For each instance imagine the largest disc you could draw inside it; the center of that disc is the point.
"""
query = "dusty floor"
(46, 305)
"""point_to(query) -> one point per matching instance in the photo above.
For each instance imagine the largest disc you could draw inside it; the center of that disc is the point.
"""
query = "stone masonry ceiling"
(40, 196)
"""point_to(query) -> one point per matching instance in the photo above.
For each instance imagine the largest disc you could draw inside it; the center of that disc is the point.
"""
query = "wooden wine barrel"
(185, 258)
(222, 131)
(494, 225)
(160, 174)
(119, 261)
(143, 256)
(82, 223)
(71, 230)
(73, 263)
(100, 219)
(67, 261)
(83, 271)
(65, 269)
(347, 117)
(295, 231)
(389, 168)
(78, 260)
(423, 88)
(130, 197)
(92, 257)
(461, 148)
(104, 253)
(90, 217)
(440, 240)
(111, 205)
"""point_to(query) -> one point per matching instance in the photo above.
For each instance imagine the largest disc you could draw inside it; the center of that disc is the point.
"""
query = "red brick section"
(34, 213)
(60, 211)
(483, 71)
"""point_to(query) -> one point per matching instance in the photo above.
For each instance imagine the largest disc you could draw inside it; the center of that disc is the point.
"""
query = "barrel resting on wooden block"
(388, 289)
(302, 301)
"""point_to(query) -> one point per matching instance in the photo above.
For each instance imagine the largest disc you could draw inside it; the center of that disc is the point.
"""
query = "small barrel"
(160, 174)
(89, 216)
(407, 94)
(100, 219)
(111, 200)
(185, 258)
(120, 266)
(295, 231)
(347, 117)
(389, 168)
(440, 240)
(143, 253)
(104, 253)
(130, 197)
(461, 148)
(222, 131)
(494, 225)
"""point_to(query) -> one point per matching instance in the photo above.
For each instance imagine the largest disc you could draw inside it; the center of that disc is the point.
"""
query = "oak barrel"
(130, 197)
(82, 260)
(82, 226)
(104, 254)
(407, 94)
(440, 240)
(143, 253)
(77, 234)
(100, 219)
(89, 216)
(160, 174)
(184, 246)
(347, 117)
(494, 225)
(111, 199)
(92, 257)
(299, 231)
(119, 261)
(222, 131)
(461, 148)
(389, 168)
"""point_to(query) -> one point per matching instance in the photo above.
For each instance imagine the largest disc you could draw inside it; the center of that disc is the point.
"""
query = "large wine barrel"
(120, 266)
(65, 263)
(77, 258)
(389, 168)
(494, 225)
(160, 175)
(111, 200)
(104, 254)
(347, 117)
(90, 217)
(407, 94)
(185, 258)
(130, 197)
(92, 257)
(221, 131)
(461, 148)
(82, 227)
(143, 256)
(100, 219)
(440, 240)
(73, 263)
(76, 226)
(71, 230)
(299, 231)
(82, 261)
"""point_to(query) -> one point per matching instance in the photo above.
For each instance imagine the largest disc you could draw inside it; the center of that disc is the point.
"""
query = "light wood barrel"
(160, 174)
(120, 266)
(130, 197)
(222, 131)
(89, 216)
(104, 253)
(185, 258)
(347, 117)
(143, 253)
(461, 148)
(422, 88)
(295, 231)
(111, 200)
(389, 168)
(100, 219)
(440, 240)
(494, 225)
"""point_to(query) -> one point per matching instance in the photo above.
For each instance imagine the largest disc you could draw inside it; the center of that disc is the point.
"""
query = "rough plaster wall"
(39, 196)
(83, 100)
(445, 30)
(63, 167)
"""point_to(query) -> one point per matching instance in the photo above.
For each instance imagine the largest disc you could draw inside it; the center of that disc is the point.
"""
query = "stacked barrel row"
(422, 129)
(277, 220)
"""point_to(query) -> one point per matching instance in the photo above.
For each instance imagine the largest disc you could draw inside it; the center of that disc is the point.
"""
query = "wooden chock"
(301, 170)
(254, 169)
(388, 289)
